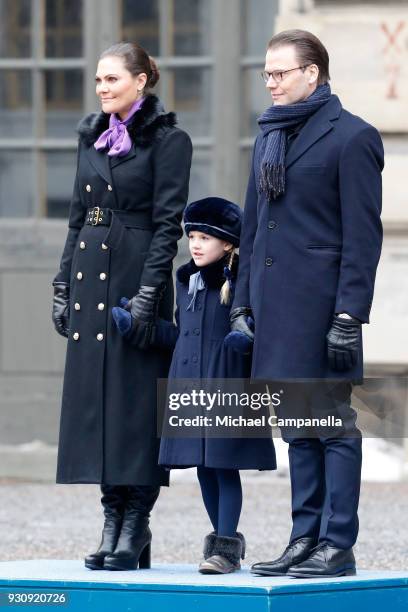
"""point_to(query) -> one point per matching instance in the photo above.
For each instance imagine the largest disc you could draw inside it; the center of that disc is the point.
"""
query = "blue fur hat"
(215, 216)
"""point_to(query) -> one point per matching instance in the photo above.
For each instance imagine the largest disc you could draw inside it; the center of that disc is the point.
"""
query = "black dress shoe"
(325, 561)
(297, 551)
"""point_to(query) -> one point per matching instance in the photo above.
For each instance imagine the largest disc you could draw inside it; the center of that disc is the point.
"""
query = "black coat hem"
(122, 484)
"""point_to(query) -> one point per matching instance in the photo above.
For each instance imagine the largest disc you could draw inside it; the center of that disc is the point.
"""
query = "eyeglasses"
(279, 75)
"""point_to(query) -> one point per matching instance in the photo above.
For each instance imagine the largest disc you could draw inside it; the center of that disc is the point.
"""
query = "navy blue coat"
(200, 353)
(313, 251)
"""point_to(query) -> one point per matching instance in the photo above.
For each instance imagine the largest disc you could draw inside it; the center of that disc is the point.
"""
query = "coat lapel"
(316, 127)
(100, 161)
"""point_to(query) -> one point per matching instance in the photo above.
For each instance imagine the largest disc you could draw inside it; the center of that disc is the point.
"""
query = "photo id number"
(31, 598)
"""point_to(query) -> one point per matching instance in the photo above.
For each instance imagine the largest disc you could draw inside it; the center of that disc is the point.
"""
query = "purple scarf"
(116, 137)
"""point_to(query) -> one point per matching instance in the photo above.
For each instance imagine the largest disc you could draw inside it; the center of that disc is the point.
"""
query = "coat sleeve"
(77, 214)
(360, 166)
(171, 167)
(248, 231)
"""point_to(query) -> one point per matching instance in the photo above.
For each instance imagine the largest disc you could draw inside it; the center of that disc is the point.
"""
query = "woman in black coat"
(130, 191)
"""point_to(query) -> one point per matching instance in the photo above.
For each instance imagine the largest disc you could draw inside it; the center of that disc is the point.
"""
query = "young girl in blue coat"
(204, 290)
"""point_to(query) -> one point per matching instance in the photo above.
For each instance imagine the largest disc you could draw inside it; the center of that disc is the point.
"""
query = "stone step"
(182, 588)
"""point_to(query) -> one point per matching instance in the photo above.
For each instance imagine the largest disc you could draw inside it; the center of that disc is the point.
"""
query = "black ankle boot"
(113, 501)
(133, 547)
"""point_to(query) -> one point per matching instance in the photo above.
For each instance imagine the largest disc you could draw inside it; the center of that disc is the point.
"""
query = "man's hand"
(239, 323)
(343, 343)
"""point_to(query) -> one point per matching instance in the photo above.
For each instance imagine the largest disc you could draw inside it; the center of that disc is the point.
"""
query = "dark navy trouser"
(325, 470)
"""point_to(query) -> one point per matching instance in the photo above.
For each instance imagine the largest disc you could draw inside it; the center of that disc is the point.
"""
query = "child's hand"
(122, 317)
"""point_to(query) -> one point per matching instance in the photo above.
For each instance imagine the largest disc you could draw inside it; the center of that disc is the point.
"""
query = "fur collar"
(143, 128)
(213, 274)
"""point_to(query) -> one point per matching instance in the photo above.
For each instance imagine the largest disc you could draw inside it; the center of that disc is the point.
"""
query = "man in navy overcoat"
(310, 244)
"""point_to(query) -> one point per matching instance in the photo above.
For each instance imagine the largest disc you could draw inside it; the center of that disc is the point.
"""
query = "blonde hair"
(225, 292)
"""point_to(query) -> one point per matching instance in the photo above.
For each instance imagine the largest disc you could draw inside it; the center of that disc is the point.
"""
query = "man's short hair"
(309, 50)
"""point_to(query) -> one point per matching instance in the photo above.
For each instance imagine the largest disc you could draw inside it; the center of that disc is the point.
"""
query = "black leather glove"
(143, 308)
(145, 304)
(343, 343)
(60, 308)
(238, 321)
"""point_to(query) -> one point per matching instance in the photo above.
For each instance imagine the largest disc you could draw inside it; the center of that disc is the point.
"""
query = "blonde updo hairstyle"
(136, 60)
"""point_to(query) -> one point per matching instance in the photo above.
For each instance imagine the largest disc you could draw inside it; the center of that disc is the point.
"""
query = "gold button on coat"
(77, 306)
(102, 276)
(75, 336)
(104, 246)
(82, 244)
(99, 337)
(79, 276)
(101, 306)
(88, 188)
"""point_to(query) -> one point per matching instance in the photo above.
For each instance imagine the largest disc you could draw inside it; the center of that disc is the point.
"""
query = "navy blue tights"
(222, 496)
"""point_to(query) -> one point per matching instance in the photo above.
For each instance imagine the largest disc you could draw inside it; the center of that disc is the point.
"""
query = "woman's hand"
(60, 308)
(136, 318)
(144, 305)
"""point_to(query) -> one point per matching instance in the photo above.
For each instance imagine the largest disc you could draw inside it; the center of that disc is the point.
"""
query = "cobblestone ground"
(64, 521)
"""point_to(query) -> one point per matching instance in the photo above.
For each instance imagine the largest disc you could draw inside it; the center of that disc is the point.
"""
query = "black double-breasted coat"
(108, 431)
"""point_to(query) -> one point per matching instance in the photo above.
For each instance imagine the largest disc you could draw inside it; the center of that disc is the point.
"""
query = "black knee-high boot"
(113, 502)
(133, 547)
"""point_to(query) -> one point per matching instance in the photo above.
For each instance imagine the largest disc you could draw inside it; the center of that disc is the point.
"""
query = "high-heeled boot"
(134, 543)
(113, 501)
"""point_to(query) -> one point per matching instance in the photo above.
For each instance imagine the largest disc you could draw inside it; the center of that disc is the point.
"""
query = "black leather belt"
(129, 218)
(98, 216)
